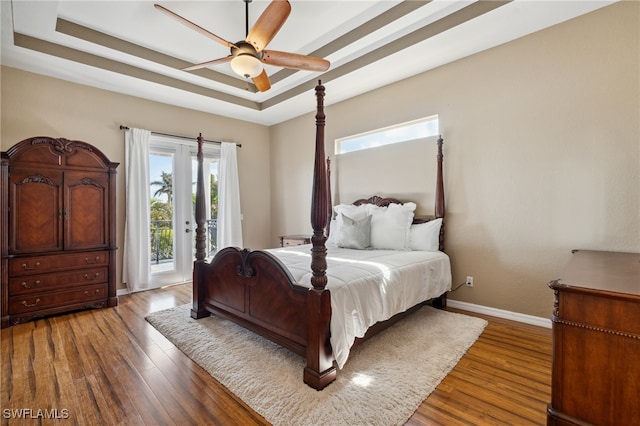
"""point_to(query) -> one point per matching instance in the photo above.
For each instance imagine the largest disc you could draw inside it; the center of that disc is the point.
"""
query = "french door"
(172, 169)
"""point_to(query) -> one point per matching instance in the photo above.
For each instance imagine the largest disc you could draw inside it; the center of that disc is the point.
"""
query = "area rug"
(383, 382)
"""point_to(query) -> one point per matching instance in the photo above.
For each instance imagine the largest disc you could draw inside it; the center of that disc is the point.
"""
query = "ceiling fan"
(248, 56)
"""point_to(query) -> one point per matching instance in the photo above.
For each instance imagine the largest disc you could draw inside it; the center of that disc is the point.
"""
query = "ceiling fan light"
(246, 65)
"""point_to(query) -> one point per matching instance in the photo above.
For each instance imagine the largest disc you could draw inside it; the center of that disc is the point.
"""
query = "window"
(404, 132)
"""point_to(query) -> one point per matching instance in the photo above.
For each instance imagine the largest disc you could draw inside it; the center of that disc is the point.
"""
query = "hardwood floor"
(109, 366)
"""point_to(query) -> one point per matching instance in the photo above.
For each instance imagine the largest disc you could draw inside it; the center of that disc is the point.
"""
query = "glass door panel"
(162, 242)
(173, 175)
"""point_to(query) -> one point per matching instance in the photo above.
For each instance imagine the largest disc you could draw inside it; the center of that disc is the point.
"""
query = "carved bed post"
(439, 207)
(329, 201)
(440, 302)
(319, 371)
(201, 214)
(319, 200)
(197, 310)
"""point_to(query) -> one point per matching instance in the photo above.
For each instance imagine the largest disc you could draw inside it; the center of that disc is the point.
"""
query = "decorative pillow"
(425, 236)
(354, 234)
(332, 241)
(353, 212)
(390, 226)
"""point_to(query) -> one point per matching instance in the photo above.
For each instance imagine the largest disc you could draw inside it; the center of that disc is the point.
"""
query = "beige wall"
(542, 140)
(33, 105)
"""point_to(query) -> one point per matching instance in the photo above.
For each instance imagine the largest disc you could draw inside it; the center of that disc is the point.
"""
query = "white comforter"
(368, 286)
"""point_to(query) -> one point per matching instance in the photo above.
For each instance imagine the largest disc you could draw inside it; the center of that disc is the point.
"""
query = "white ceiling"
(130, 47)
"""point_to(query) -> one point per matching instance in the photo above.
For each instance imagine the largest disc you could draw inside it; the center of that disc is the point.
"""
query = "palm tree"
(160, 211)
(166, 186)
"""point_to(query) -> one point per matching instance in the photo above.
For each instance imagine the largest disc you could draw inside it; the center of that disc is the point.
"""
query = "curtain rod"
(123, 127)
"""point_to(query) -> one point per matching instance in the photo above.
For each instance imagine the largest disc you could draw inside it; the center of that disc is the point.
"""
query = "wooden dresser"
(596, 341)
(57, 211)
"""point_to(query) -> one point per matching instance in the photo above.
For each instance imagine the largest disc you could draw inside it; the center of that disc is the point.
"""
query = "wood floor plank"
(109, 366)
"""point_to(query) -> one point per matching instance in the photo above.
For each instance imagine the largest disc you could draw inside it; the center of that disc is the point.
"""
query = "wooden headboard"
(378, 201)
(384, 202)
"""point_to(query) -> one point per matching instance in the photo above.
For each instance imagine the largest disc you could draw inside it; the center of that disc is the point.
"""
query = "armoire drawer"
(37, 302)
(56, 262)
(56, 281)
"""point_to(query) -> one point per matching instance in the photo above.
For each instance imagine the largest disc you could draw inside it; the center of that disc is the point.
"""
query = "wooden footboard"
(254, 289)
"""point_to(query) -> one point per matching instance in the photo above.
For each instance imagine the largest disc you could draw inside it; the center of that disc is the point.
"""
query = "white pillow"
(354, 212)
(390, 226)
(332, 241)
(354, 234)
(425, 236)
(351, 211)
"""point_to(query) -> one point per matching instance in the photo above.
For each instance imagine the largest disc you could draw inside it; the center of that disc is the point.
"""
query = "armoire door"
(35, 210)
(86, 216)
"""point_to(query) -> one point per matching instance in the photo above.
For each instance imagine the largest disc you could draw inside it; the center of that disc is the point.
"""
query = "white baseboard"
(122, 292)
(513, 316)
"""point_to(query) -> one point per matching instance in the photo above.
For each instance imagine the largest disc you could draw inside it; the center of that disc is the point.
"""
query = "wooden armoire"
(58, 223)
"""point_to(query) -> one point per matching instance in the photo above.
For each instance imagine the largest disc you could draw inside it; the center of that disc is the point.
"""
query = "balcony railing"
(162, 244)
(212, 237)
(161, 240)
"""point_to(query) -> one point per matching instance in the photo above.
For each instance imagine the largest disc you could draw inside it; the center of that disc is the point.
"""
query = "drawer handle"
(96, 291)
(96, 260)
(27, 268)
(90, 278)
(24, 302)
(35, 284)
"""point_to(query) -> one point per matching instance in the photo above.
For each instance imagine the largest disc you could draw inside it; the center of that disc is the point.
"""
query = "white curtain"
(137, 263)
(229, 213)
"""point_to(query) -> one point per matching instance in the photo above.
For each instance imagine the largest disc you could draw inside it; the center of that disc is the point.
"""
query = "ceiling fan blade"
(268, 24)
(262, 82)
(294, 61)
(193, 26)
(209, 63)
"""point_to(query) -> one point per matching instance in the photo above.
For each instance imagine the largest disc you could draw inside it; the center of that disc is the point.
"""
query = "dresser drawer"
(37, 302)
(56, 262)
(57, 280)
(294, 240)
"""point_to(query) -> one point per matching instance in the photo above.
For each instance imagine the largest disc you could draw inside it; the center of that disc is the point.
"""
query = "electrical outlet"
(469, 282)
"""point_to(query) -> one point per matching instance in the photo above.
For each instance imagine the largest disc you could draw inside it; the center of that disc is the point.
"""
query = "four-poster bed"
(267, 295)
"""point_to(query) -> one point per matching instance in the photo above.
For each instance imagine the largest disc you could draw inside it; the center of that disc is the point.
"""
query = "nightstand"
(294, 240)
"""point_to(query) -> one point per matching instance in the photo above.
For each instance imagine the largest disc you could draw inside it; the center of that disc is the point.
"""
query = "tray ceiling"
(129, 47)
